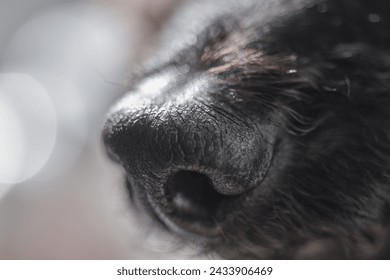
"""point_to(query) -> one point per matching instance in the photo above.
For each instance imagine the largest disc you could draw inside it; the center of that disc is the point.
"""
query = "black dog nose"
(183, 153)
(161, 142)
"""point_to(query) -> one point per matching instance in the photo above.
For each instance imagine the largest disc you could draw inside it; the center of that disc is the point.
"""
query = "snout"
(185, 154)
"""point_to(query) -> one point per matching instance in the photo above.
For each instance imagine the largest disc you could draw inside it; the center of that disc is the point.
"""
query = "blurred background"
(62, 64)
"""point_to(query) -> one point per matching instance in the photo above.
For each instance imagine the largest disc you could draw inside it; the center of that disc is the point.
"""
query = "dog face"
(262, 128)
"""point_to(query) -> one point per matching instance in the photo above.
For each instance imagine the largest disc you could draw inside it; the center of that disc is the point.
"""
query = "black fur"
(262, 128)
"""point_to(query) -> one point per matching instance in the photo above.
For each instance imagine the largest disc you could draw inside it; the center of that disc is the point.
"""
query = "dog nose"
(163, 141)
(186, 154)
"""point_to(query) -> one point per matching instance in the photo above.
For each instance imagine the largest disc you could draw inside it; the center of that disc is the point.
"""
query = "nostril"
(193, 197)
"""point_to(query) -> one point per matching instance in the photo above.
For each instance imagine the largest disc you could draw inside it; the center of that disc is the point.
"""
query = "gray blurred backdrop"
(62, 64)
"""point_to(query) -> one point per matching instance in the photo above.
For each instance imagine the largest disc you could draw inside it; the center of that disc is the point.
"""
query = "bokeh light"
(72, 50)
(28, 125)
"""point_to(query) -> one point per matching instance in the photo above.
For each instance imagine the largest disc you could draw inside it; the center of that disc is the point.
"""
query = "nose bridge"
(172, 86)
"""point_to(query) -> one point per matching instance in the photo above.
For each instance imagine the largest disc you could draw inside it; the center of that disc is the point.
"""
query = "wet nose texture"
(157, 143)
(187, 160)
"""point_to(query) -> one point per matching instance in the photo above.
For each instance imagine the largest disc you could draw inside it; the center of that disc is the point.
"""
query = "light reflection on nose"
(28, 127)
